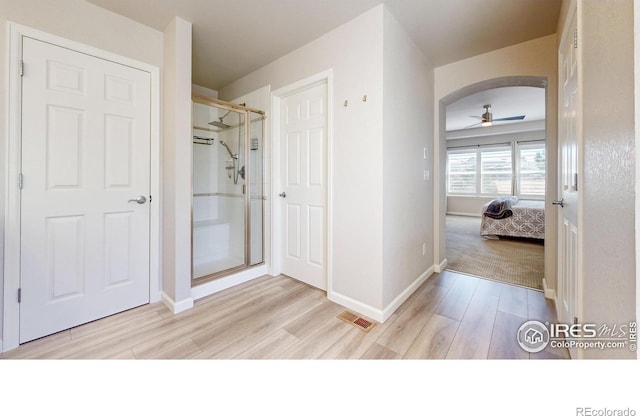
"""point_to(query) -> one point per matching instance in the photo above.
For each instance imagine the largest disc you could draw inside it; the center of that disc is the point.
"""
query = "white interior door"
(85, 154)
(568, 266)
(304, 189)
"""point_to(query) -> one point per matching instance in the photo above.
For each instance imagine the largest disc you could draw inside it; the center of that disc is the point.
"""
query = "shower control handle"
(283, 195)
(140, 200)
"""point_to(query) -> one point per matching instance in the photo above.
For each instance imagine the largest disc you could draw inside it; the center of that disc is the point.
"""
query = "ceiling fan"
(487, 119)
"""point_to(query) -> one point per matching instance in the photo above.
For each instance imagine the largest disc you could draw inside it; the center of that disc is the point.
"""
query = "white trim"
(155, 220)
(380, 315)
(402, 297)
(356, 306)
(222, 283)
(11, 312)
(176, 307)
(439, 268)
(439, 179)
(548, 292)
(464, 214)
(15, 32)
(276, 204)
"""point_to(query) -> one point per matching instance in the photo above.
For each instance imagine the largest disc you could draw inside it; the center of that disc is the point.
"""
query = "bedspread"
(527, 221)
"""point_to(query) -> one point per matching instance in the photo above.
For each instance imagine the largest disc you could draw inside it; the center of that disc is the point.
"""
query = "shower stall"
(228, 188)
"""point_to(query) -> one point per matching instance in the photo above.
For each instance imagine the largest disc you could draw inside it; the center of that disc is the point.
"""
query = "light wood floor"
(450, 316)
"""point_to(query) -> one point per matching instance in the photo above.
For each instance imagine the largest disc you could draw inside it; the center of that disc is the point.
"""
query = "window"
(488, 170)
(496, 170)
(531, 170)
(461, 172)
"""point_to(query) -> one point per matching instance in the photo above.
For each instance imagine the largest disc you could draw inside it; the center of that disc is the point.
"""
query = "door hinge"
(20, 181)
(21, 68)
(575, 182)
(575, 38)
(19, 295)
(150, 198)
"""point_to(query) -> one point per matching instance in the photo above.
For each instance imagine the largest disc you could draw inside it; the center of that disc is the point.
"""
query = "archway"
(551, 168)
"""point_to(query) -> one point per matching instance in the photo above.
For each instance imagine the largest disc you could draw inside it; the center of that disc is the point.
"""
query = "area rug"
(509, 260)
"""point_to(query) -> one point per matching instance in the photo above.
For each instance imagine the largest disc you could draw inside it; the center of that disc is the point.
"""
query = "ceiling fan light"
(487, 118)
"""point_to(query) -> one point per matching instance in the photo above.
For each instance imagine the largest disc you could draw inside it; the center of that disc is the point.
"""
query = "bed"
(527, 221)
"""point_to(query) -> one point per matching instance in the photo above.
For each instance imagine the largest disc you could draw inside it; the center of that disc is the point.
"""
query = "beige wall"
(466, 205)
(605, 34)
(200, 90)
(382, 208)
(537, 58)
(353, 52)
(79, 21)
(407, 131)
(177, 167)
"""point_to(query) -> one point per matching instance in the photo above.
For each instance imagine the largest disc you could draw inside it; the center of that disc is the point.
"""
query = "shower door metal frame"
(242, 109)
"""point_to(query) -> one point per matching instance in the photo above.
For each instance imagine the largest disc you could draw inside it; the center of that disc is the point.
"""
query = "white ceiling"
(505, 102)
(232, 38)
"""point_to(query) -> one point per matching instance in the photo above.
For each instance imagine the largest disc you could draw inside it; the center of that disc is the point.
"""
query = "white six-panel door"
(85, 154)
(568, 142)
(304, 155)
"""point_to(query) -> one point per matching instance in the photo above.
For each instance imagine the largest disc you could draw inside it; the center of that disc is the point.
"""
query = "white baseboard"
(214, 286)
(356, 306)
(439, 268)
(379, 315)
(399, 300)
(464, 214)
(176, 307)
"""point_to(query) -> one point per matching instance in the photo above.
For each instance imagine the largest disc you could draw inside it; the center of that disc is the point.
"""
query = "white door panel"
(85, 154)
(304, 155)
(568, 146)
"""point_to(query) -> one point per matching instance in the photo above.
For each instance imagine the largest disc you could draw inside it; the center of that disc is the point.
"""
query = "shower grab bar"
(264, 198)
(219, 194)
(207, 140)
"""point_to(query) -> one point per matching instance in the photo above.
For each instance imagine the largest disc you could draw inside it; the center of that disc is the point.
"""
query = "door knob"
(560, 202)
(140, 200)
(283, 195)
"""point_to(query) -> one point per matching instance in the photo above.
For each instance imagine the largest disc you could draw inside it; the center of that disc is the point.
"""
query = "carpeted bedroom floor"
(515, 261)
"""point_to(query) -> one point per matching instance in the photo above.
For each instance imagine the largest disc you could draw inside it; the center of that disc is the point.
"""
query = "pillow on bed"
(498, 209)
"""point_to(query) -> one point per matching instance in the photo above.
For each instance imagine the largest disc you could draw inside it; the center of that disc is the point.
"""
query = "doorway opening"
(495, 153)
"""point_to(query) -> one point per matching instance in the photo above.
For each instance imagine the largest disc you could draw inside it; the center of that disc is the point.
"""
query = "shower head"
(219, 124)
(228, 150)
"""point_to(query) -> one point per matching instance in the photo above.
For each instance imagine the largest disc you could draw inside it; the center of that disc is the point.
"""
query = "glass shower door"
(232, 192)
(219, 228)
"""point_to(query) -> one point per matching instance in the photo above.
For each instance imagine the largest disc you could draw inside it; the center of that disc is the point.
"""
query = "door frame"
(276, 171)
(11, 307)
